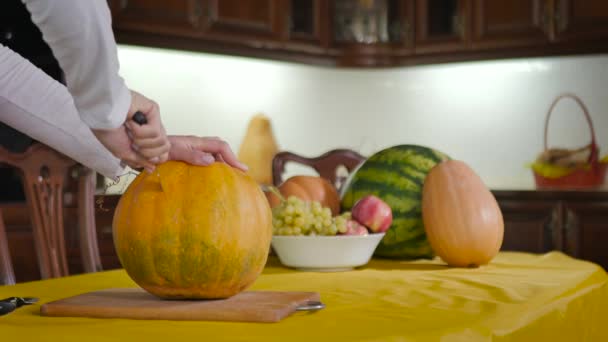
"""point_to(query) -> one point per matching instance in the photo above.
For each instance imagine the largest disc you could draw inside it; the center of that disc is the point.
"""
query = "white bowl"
(325, 253)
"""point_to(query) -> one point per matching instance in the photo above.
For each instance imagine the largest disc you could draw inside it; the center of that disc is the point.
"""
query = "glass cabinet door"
(372, 21)
(442, 25)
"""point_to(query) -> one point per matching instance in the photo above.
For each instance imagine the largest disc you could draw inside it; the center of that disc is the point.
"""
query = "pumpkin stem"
(275, 191)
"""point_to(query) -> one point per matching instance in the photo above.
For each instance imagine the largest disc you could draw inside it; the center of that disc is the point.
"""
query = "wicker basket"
(586, 175)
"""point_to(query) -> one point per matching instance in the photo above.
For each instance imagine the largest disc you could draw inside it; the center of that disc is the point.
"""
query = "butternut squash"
(462, 219)
(258, 148)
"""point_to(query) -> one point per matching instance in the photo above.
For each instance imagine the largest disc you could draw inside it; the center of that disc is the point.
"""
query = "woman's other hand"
(202, 151)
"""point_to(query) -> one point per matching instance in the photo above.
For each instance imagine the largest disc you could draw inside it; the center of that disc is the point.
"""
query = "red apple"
(373, 212)
(355, 228)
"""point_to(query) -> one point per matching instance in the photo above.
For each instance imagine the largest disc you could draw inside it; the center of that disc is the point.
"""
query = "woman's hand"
(202, 151)
(118, 143)
(138, 146)
(149, 140)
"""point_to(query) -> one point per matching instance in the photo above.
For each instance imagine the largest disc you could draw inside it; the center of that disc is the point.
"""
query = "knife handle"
(311, 306)
(140, 118)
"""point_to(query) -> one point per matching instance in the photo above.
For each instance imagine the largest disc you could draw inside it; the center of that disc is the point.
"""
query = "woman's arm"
(35, 104)
(80, 35)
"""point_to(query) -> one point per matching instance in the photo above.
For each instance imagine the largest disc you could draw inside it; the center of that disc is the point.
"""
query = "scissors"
(9, 304)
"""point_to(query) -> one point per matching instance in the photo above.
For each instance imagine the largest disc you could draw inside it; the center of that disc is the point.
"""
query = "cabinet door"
(442, 25)
(387, 22)
(581, 19)
(245, 18)
(586, 231)
(372, 33)
(308, 21)
(179, 17)
(531, 226)
(509, 23)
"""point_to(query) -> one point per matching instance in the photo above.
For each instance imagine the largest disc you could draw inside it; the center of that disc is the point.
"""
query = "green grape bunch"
(295, 216)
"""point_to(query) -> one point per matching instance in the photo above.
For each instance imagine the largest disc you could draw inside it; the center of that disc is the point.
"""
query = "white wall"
(489, 114)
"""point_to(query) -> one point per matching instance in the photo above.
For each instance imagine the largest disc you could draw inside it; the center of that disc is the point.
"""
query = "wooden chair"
(44, 172)
(327, 165)
(7, 276)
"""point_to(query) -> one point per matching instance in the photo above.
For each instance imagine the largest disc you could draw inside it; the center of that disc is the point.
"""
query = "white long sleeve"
(37, 105)
(79, 32)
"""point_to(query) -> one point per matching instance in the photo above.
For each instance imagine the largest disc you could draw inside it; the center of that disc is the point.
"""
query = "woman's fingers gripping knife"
(148, 139)
(118, 142)
(156, 151)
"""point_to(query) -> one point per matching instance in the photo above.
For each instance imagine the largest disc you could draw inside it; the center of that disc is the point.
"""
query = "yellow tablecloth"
(518, 297)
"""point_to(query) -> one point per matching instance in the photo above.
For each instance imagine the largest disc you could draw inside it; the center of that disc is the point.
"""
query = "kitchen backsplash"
(489, 114)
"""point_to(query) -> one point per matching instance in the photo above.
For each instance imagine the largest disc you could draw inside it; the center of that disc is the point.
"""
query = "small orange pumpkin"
(462, 220)
(192, 232)
(308, 188)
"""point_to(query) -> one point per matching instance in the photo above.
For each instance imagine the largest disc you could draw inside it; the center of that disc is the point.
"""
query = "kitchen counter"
(519, 296)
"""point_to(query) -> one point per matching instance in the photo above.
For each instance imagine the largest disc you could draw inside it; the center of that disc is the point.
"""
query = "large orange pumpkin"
(308, 188)
(462, 219)
(191, 232)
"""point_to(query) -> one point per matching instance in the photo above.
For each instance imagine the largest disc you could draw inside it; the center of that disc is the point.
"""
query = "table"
(518, 297)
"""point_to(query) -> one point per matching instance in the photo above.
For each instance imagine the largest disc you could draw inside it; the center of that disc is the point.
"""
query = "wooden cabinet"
(574, 222)
(378, 34)
(294, 30)
(244, 18)
(580, 19)
(531, 226)
(585, 226)
(515, 23)
(178, 17)
(369, 33)
(308, 24)
(442, 25)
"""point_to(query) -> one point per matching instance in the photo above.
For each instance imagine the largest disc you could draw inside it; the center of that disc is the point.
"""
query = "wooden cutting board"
(135, 303)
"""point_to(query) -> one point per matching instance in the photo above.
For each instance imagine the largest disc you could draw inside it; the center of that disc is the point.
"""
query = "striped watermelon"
(396, 175)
